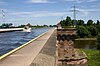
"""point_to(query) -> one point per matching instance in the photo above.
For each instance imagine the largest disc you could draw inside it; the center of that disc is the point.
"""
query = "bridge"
(25, 54)
(42, 51)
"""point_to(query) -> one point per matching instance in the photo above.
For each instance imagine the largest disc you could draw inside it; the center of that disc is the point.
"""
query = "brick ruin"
(66, 54)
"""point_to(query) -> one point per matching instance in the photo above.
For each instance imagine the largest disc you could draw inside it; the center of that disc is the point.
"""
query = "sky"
(49, 12)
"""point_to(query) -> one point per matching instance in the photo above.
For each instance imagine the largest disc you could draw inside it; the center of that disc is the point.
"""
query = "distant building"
(59, 26)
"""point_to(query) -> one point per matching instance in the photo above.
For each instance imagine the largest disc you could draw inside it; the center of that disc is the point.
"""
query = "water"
(12, 40)
(85, 44)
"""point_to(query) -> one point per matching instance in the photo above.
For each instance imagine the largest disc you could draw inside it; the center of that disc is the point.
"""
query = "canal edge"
(18, 48)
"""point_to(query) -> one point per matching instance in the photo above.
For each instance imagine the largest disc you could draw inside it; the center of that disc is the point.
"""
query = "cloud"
(40, 14)
(37, 14)
(80, 1)
(84, 12)
(38, 1)
(95, 5)
(93, 10)
(77, 1)
(92, 0)
(2, 3)
(88, 11)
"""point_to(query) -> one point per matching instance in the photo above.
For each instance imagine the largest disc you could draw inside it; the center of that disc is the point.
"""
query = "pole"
(74, 15)
(3, 16)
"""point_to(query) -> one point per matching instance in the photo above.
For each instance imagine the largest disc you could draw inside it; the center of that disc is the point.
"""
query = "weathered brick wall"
(66, 54)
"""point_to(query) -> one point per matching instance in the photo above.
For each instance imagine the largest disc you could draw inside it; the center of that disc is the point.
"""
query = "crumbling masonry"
(66, 54)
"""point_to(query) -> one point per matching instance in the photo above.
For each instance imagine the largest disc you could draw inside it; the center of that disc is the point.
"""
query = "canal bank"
(26, 55)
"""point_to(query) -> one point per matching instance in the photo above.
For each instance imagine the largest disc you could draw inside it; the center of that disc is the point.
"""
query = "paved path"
(46, 57)
(26, 55)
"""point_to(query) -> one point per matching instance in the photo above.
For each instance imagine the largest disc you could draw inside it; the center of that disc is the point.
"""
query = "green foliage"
(90, 29)
(66, 23)
(93, 30)
(6, 25)
(80, 22)
(93, 56)
(82, 31)
(98, 23)
(98, 28)
(98, 40)
(90, 22)
(63, 24)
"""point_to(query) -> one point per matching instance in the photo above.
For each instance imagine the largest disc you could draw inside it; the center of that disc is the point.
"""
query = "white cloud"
(88, 11)
(40, 14)
(91, 10)
(37, 14)
(39, 1)
(80, 1)
(92, 0)
(77, 1)
(2, 3)
(95, 5)
(84, 12)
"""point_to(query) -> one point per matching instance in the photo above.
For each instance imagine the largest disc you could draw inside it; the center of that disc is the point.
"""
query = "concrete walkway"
(26, 55)
(47, 55)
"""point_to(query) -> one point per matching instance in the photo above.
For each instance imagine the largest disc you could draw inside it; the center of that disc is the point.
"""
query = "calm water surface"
(85, 44)
(11, 40)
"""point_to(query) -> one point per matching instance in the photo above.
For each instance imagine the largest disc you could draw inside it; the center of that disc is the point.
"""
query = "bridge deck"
(27, 54)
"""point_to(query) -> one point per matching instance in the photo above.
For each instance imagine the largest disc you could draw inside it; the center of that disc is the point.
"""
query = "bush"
(93, 30)
(82, 31)
(98, 40)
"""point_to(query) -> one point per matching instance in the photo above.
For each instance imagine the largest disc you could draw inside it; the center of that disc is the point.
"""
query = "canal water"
(85, 44)
(12, 40)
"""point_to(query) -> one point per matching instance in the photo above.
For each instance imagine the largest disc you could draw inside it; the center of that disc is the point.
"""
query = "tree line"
(6, 25)
(10, 25)
(87, 29)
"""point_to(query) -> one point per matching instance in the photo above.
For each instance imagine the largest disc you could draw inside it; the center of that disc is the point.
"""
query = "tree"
(90, 22)
(98, 23)
(80, 22)
(98, 28)
(3, 25)
(98, 40)
(6, 25)
(68, 21)
(74, 22)
(82, 31)
(93, 30)
(63, 23)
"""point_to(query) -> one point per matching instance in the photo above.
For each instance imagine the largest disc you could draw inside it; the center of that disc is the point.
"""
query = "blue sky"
(47, 11)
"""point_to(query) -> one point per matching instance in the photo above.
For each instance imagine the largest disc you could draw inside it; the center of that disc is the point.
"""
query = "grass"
(93, 57)
(86, 39)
